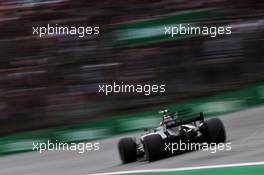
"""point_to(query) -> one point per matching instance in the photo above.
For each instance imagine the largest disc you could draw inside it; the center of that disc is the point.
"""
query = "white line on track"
(182, 169)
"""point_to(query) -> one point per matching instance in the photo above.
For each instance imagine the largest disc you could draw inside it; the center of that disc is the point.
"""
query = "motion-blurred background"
(53, 81)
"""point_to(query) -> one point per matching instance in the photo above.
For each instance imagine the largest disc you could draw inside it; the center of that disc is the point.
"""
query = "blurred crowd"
(53, 81)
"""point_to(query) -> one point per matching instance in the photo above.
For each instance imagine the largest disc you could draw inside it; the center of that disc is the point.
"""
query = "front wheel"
(154, 147)
(127, 150)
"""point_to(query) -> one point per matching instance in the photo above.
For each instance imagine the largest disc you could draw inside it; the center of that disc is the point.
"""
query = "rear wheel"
(154, 147)
(215, 131)
(127, 150)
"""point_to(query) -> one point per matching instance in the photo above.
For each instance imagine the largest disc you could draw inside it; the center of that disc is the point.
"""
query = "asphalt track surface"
(245, 130)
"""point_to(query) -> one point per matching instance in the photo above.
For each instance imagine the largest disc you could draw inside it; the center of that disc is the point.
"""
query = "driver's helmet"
(167, 119)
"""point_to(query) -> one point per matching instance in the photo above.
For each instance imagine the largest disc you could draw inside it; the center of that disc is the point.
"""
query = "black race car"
(177, 127)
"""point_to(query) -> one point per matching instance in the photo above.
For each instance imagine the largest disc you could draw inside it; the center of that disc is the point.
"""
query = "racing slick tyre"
(127, 150)
(154, 147)
(215, 131)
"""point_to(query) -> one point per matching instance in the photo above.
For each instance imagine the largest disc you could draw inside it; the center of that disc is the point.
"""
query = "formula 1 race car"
(181, 126)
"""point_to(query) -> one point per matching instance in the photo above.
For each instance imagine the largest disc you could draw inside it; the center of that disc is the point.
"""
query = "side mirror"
(201, 117)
